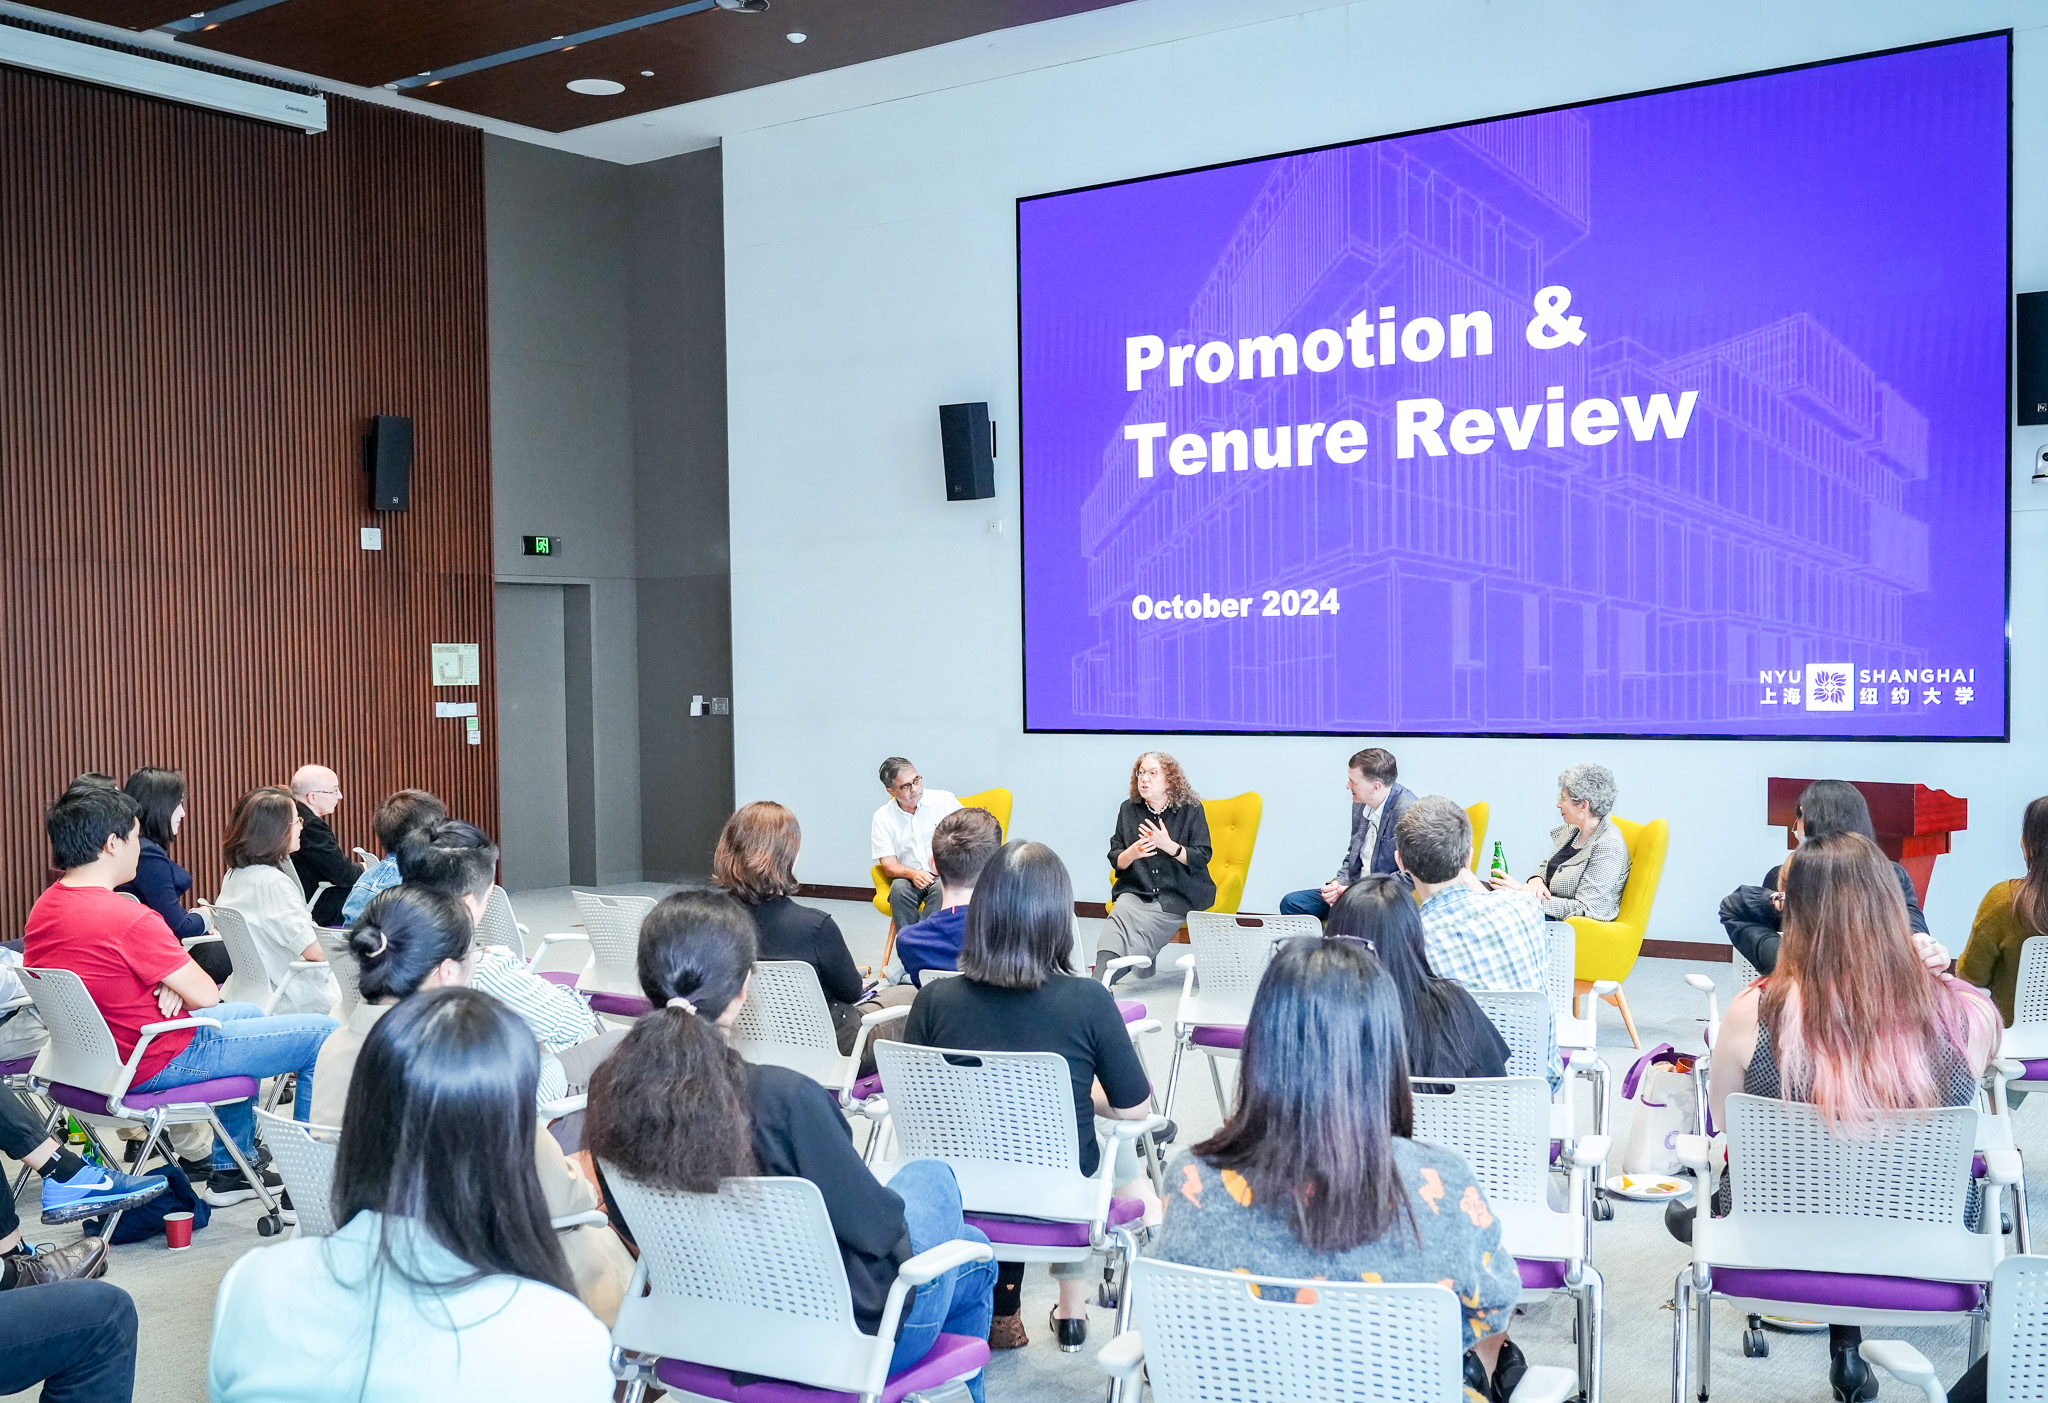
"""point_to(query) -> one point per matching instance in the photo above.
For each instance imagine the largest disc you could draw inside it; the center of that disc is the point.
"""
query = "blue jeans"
(1305, 903)
(963, 1300)
(247, 1044)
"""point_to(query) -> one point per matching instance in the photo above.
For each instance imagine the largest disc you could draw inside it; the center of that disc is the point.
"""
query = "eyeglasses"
(905, 786)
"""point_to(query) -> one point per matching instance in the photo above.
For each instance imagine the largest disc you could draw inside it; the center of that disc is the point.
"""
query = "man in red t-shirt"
(138, 973)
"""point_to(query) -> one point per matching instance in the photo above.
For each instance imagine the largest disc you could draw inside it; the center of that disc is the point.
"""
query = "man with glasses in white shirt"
(901, 837)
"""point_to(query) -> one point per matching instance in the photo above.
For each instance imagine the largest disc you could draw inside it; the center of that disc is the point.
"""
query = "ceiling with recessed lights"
(562, 64)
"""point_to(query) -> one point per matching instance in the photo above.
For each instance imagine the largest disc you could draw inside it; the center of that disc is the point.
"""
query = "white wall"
(870, 277)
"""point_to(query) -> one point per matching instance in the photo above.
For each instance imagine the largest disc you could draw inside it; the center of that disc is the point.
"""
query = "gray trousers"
(908, 905)
(1138, 926)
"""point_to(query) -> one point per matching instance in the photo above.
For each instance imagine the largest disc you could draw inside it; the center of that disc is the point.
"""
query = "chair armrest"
(1700, 982)
(2011, 1068)
(934, 1262)
(1132, 1129)
(307, 964)
(2002, 1166)
(211, 937)
(567, 1105)
(1906, 1364)
(1123, 1356)
(589, 1218)
(884, 1015)
(558, 935)
(1186, 962)
(1109, 970)
(1143, 1025)
(1591, 1151)
(1543, 1384)
(1699, 1154)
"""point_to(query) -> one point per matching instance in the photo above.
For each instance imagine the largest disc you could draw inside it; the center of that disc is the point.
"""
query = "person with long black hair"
(413, 939)
(675, 1107)
(1448, 1034)
(160, 883)
(1315, 1174)
(445, 1279)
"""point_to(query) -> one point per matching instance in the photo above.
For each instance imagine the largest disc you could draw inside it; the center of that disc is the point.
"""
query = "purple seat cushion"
(565, 977)
(1039, 1232)
(870, 1085)
(2035, 1071)
(1131, 1009)
(191, 1093)
(1540, 1275)
(952, 1357)
(1828, 1288)
(620, 1005)
(19, 1067)
(1218, 1037)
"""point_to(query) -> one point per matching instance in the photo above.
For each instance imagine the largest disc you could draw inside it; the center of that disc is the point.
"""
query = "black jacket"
(1754, 925)
(320, 859)
(1177, 889)
(1358, 863)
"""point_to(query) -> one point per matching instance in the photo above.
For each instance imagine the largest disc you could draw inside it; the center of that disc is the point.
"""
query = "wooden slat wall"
(197, 316)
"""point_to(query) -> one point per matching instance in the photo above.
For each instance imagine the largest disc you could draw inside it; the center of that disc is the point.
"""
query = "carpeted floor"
(174, 1293)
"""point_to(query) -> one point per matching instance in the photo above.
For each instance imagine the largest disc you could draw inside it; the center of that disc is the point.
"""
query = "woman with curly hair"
(1161, 855)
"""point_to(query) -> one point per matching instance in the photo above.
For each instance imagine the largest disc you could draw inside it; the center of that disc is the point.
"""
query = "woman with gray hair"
(1588, 863)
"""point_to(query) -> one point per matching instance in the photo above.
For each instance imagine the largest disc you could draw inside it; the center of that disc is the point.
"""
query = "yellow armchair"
(1478, 814)
(996, 801)
(1608, 949)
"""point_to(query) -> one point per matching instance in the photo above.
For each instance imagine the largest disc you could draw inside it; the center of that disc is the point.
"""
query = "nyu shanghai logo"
(1830, 687)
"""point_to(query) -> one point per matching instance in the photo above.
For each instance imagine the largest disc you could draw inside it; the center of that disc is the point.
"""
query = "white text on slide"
(1274, 603)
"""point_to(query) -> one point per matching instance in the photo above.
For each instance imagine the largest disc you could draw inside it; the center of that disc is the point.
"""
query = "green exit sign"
(540, 545)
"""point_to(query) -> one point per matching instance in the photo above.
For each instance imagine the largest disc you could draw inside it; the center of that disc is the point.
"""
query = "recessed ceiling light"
(743, 7)
(646, 73)
(595, 87)
(796, 36)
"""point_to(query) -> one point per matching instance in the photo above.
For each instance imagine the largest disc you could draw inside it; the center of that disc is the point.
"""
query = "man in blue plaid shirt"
(1483, 939)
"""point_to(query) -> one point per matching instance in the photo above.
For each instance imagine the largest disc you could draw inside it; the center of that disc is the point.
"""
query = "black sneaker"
(226, 1187)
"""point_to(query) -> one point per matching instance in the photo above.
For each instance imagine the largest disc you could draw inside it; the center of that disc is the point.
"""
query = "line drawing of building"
(1635, 586)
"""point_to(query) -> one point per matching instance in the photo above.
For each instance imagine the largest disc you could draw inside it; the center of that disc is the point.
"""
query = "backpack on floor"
(146, 1221)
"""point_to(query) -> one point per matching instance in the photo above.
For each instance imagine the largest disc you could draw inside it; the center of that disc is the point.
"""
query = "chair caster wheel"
(1603, 1208)
(269, 1225)
(1754, 1345)
(1106, 1295)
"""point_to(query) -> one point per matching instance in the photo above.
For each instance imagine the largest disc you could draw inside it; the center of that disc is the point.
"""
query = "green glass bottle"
(1500, 863)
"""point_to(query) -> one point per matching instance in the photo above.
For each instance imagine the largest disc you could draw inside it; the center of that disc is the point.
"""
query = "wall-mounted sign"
(457, 665)
(540, 545)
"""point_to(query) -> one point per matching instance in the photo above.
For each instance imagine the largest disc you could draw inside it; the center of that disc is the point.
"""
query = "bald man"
(320, 858)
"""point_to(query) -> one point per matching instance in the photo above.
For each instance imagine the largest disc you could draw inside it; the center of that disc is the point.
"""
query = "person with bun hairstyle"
(677, 1108)
(445, 1278)
(412, 940)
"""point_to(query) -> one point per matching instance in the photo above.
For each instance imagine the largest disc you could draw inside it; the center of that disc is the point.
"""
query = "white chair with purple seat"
(82, 1071)
(611, 983)
(785, 1022)
(1886, 1212)
(2017, 1368)
(1004, 1122)
(1207, 1336)
(749, 1280)
(1503, 1128)
(1228, 957)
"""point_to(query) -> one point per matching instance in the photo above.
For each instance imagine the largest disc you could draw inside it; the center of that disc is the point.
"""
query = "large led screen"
(1681, 414)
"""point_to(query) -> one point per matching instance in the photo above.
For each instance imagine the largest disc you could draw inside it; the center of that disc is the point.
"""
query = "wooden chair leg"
(1620, 1001)
(888, 949)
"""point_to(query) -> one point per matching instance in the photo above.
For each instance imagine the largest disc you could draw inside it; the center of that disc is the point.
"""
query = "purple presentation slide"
(1673, 415)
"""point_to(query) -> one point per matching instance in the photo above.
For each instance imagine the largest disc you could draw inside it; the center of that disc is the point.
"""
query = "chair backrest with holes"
(1523, 1017)
(613, 925)
(785, 1008)
(1564, 959)
(2030, 995)
(342, 960)
(1501, 1125)
(305, 1159)
(1232, 952)
(498, 926)
(2019, 1331)
(1221, 1337)
(250, 982)
(1889, 1200)
(81, 1050)
(1003, 1120)
(749, 1278)
(1747, 974)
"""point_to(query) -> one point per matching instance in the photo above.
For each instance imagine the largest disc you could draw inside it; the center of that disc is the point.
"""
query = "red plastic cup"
(178, 1231)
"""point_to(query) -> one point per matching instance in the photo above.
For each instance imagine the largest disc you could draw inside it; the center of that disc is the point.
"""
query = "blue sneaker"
(94, 1190)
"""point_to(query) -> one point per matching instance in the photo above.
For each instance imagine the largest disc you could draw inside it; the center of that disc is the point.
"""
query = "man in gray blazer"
(1378, 800)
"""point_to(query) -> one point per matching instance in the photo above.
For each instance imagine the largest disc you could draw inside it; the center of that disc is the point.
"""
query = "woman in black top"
(1448, 1034)
(1754, 917)
(675, 1107)
(1161, 855)
(1017, 992)
(756, 861)
(160, 883)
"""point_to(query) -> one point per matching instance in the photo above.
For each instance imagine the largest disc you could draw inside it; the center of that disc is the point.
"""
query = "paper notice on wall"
(445, 709)
(475, 730)
(457, 665)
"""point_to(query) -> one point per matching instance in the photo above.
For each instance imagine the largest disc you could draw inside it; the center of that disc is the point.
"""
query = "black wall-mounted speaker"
(969, 442)
(2033, 357)
(387, 458)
